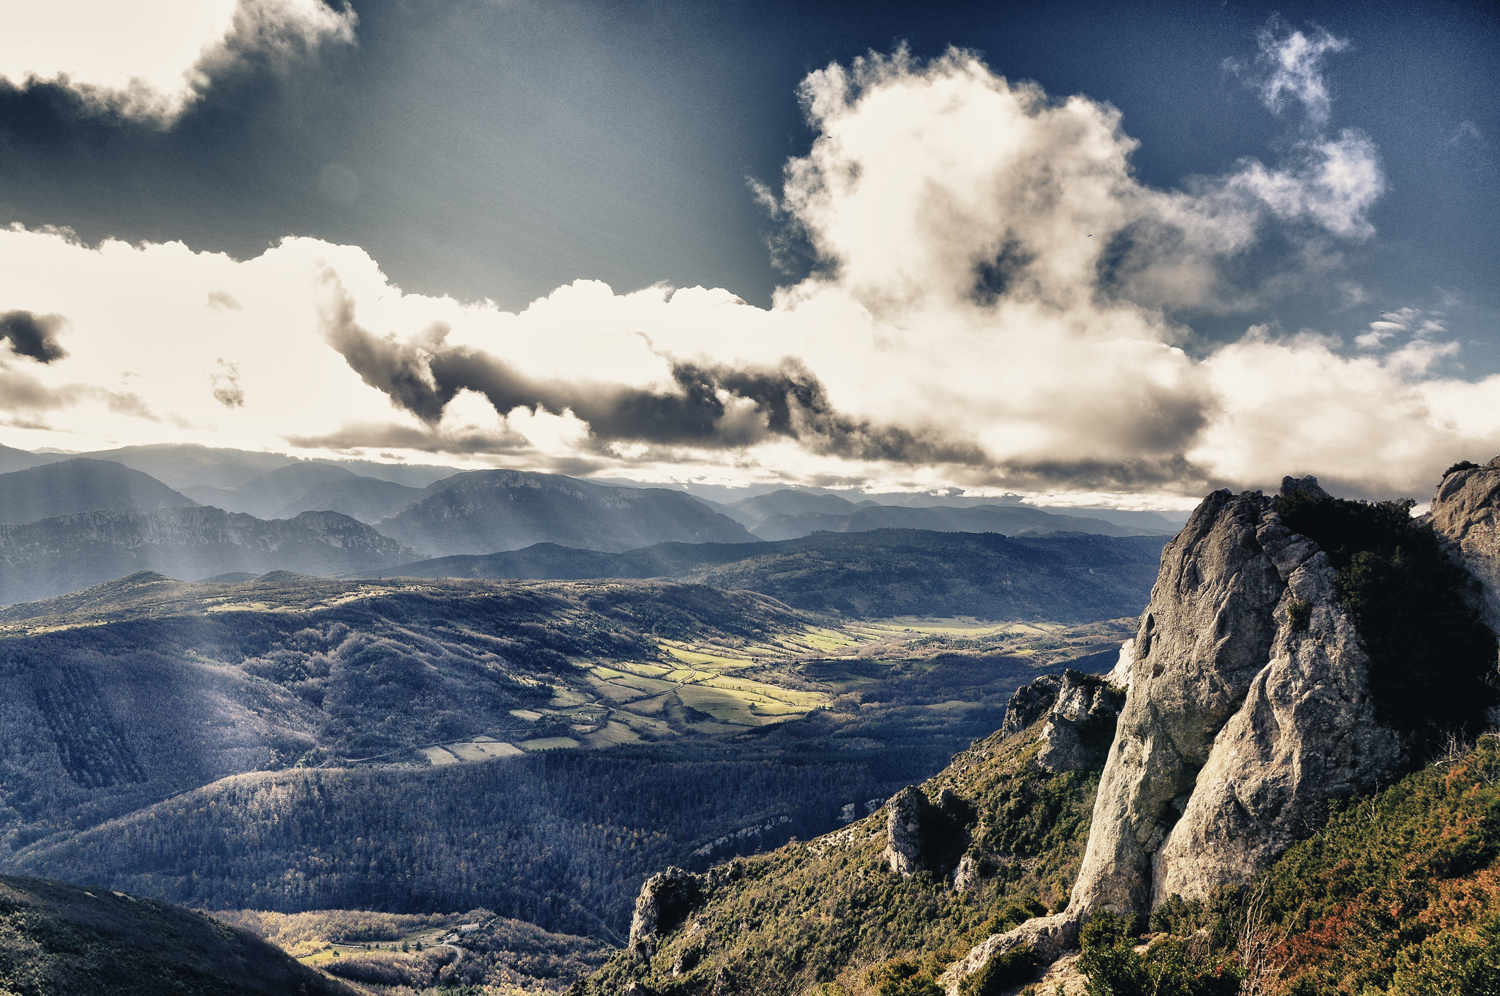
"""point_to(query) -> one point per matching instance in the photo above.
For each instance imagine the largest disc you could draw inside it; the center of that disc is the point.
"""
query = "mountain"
(12, 459)
(363, 498)
(489, 510)
(79, 485)
(184, 465)
(877, 574)
(70, 552)
(789, 513)
(1286, 780)
(181, 465)
(263, 494)
(61, 940)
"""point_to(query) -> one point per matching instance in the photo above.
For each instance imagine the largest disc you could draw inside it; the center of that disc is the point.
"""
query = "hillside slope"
(62, 940)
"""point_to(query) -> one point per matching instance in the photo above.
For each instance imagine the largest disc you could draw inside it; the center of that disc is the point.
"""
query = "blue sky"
(431, 157)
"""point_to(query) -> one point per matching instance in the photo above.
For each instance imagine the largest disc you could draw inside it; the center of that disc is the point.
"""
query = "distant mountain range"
(71, 486)
(493, 510)
(879, 573)
(307, 487)
(789, 514)
(69, 526)
(63, 554)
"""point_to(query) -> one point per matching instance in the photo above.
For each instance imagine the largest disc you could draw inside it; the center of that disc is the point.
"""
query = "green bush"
(1001, 972)
(1167, 968)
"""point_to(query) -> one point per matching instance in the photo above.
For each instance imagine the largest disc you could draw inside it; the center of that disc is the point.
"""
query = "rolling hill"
(62, 940)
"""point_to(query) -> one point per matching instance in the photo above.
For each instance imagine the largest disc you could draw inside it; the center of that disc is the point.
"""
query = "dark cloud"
(403, 437)
(33, 335)
(226, 384)
(21, 392)
(423, 374)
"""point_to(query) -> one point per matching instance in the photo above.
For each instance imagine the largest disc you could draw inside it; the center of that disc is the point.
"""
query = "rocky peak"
(1249, 709)
(1464, 511)
(1080, 710)
(665, 900)
(1249, 705)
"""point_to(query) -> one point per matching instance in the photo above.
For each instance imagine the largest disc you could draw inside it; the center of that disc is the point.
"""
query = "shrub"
(1001, 972)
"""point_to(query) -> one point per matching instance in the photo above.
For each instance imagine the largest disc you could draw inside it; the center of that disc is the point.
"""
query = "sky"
(1096, 253)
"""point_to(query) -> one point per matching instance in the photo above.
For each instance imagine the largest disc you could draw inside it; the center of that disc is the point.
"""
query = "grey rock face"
(1030, 703)
(1080, 723)
(1047, 936)
(1464, 510)
(1244, 717)
(906, 811)
(665, 900)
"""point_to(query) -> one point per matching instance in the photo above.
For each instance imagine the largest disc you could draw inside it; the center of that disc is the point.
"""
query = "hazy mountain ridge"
(790, 513)
(506, 510)
(881, 573)
(66, 487)
(71, 552)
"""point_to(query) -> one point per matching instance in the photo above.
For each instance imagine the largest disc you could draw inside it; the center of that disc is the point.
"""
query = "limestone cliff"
(1249, 703)
(1248, 709)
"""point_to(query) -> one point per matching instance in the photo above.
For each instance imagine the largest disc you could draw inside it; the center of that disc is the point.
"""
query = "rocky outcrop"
(1080, 710)
(1081, 723)
(665, 900)
(921, 836)
(1464, 510)
(906, 813)
(1047, 936)
(1030, 703)
(1248, 710)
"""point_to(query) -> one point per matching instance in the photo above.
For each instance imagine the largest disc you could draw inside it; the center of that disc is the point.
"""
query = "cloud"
(226, 385)
(33, 336)
(710, 406)
(150, 62)
(997, 302)
(1291, 67)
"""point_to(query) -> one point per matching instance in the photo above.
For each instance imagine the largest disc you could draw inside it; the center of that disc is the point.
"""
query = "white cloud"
(992, 309)
(1291, 66)
(150, 61)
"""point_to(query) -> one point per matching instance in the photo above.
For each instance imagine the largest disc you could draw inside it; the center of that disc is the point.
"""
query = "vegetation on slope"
(62, 940)
(1398, 895)
(433, 952)
(828, 913)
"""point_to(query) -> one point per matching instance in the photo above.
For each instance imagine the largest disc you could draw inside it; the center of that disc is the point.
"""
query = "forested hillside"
(292, 743)
(876, 574)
